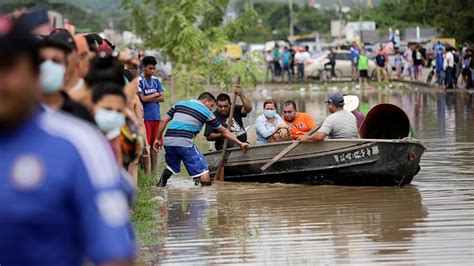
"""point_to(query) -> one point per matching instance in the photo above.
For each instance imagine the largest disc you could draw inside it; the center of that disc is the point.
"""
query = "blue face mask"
(109, 120)
(52, 76)
(270, 113)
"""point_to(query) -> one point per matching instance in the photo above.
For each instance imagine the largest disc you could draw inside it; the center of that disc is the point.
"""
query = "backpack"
(380, 60)
(456, 58)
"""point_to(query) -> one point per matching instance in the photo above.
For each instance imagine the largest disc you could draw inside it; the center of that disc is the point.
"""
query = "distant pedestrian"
(301, 57)
(332, 62)
(466, 72)
(439, 66)
(292, 64)
(408, 67)
(398, 64)
(381, 64)
(355, 51)
(418, 62)
(270, 69)
(363, 67)
(276, 60)
(449, 68)
(286, 60)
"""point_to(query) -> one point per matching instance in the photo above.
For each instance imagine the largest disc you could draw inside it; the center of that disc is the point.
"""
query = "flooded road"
(430, 221)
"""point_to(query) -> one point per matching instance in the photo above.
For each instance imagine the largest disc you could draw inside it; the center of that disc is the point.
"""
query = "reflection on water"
(428, 222)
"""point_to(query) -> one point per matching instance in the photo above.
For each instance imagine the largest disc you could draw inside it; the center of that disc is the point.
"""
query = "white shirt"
(301, 57)
(450, 59)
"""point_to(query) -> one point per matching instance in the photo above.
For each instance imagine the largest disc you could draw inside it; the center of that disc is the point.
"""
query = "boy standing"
(151, 95)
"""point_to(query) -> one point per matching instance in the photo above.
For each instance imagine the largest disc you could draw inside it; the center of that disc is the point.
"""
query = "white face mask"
(52, 76)
(270, 113)
(109, 120)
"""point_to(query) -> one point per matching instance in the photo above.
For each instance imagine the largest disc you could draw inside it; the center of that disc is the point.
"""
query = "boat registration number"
(346, 157)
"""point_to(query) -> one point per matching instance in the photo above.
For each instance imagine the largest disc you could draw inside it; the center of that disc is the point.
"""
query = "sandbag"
(385, 121)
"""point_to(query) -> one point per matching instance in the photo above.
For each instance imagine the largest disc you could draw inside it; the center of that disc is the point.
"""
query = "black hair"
(107, 88)
(290, 102)
(16, 42)
(207, 96)
(223, 97)
(149, 60)
(105, 69)
(91, 42)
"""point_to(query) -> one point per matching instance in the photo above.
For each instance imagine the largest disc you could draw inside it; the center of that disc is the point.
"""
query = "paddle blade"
(219, 174)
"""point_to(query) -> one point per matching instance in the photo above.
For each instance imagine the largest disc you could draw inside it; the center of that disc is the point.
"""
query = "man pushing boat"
(186, 119)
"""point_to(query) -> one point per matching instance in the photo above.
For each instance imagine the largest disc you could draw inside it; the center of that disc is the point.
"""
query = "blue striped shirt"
(188, 118)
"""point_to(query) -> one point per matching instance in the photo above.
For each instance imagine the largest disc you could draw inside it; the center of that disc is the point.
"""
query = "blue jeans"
(440, 75)
(449, 77)
(286, 68)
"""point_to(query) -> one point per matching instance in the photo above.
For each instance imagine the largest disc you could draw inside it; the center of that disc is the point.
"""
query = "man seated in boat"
(269, 126)
(340, 124)
(299, 123)
(186, 119)
(222, 114)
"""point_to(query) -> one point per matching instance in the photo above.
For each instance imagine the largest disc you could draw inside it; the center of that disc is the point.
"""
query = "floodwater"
(428, 222)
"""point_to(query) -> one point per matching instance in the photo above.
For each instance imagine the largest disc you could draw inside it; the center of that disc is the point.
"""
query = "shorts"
(191, 157)
(151, 127)
(363, 73)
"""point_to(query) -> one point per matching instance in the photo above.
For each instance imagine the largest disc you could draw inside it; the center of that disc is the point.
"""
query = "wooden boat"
(365, 161)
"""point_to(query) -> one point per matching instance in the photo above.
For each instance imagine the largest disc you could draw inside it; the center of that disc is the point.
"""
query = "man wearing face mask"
(62, 201)
(53, 53)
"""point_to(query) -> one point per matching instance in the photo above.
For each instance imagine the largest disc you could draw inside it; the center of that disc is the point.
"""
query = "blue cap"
(336, 98)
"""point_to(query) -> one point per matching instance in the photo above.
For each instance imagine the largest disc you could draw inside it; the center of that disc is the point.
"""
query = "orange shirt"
(302, 123)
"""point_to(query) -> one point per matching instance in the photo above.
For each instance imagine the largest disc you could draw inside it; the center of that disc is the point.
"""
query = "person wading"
(186, 119)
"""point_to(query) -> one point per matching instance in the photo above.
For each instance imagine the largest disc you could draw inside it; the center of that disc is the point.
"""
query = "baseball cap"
(62, 39)
(336, 98)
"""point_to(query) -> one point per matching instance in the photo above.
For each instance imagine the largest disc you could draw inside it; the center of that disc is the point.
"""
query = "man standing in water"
(62, 201)
(186, 119)
(340, 124)
(222, 114)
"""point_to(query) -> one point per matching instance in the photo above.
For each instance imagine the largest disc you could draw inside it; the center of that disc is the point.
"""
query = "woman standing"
(268, 123)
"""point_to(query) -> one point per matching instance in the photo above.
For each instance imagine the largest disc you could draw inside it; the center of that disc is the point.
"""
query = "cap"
(351, 102)
(336, 98)
(81, 44)
(61, 38)
(16, 39)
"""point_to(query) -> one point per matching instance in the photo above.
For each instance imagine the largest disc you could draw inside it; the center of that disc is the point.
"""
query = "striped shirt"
(188, 118)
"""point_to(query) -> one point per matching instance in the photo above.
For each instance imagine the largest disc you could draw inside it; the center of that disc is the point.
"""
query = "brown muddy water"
(428, 222)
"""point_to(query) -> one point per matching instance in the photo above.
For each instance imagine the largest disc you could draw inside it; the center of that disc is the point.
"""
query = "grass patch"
(146, 216)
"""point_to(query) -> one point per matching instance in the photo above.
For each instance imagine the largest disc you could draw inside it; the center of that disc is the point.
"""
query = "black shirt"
(76, 109)
(237, 128)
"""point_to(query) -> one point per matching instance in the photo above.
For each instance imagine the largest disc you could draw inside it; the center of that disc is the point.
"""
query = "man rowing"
(222, 113)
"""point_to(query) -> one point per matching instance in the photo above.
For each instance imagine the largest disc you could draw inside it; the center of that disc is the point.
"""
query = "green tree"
(190, 33)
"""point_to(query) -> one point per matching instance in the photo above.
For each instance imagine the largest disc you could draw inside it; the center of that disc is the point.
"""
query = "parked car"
(343, 68)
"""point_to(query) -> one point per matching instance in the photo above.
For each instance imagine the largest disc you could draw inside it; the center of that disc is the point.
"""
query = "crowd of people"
(454, 68)
(284, 62)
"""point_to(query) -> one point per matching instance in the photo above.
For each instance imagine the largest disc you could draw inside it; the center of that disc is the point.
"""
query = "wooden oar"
(287, 150)
(220, 171)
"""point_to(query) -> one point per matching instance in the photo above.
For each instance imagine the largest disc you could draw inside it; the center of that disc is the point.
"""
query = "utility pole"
(290, 17)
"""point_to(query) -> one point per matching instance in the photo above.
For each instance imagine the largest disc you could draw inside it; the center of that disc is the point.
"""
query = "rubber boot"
(164, 178)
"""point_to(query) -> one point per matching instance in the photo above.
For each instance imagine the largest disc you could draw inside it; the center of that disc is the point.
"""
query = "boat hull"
(339, 162)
